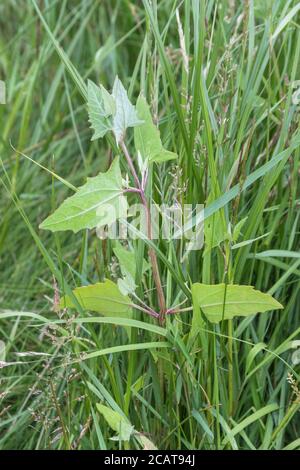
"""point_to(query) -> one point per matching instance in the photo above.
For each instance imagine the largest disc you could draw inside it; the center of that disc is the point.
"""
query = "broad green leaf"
(98, 202)
(219, 301)
(117, 422)
(127, 260)
(100, 108)
(125, 113)
(147, 137)
(102, 297)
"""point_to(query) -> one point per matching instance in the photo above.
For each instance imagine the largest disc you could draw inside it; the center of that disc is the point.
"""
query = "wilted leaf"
(147, 444)
(98, 202)
(147, 138)
(102, 297)
(117, 422)
(220, 301)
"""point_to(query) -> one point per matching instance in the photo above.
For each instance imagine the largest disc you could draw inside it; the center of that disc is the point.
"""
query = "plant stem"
(130, 164)
(152, 254)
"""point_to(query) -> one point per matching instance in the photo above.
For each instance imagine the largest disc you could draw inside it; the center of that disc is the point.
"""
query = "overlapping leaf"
(110, 111)
(125, 113)
(100, 109)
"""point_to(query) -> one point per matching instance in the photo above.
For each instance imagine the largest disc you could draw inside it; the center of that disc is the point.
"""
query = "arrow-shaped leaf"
(98, 202)
(219, 301)
(102, 297)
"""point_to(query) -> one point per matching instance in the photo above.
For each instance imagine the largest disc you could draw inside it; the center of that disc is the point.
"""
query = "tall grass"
(221, 77)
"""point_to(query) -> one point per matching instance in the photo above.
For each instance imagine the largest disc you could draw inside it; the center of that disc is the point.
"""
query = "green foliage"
(100, 108)
(102, 297)
(117, 422)
(127, 261)
(98, 202)
(223, 302)
(125, 114)
(110, 111)
(221, 78)
(147, 138)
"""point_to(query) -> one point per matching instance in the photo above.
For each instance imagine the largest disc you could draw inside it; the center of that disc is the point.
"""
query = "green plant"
(88, 209)
(175, 370)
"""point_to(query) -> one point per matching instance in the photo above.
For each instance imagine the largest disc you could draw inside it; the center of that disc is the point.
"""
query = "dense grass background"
(222, 90)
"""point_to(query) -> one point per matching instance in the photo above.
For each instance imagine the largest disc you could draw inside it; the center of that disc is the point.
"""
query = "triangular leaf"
(221, 301)
(125, 113)
(98, 202)
(100, 107)
(147, 137)
(102, 297)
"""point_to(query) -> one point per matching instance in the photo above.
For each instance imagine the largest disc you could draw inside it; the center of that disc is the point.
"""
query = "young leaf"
(147, 138)
(100, 108)
(98, 202)
(219, 301)
(117, 422)
(102, 297)
(125, 113)
(127, 260)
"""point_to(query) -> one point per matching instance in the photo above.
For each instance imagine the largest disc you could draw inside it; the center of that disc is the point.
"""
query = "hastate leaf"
(147, 137)
(125, 113)
(219, 301)
(100, 108)
(103, 297)
(98, 202)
